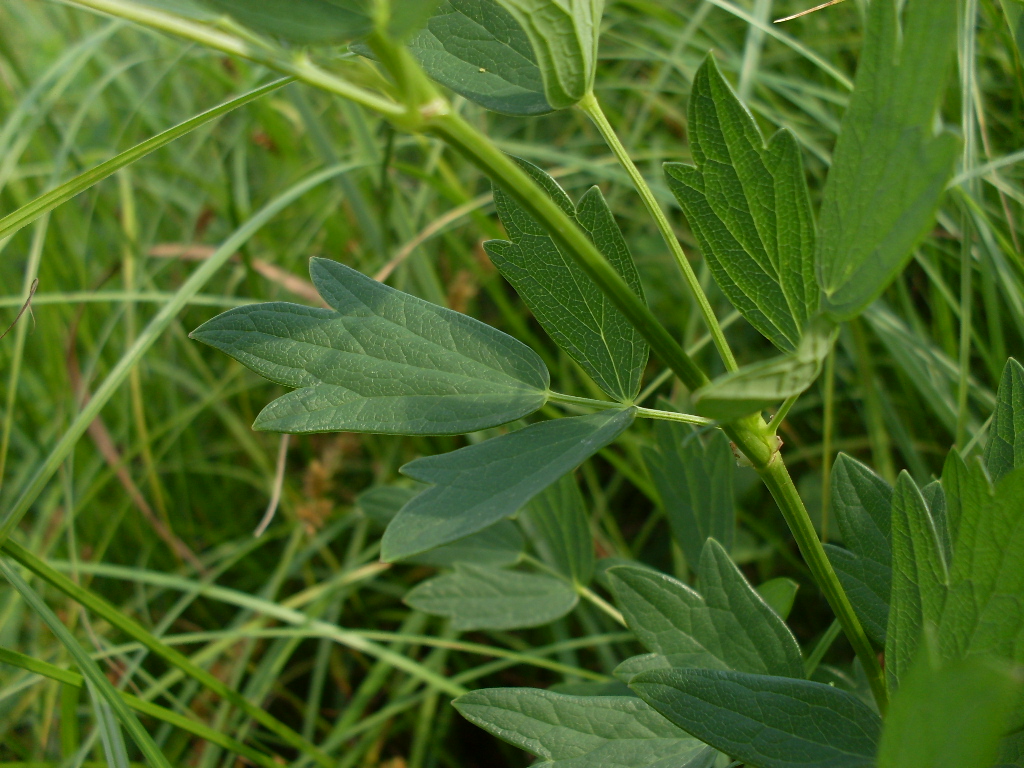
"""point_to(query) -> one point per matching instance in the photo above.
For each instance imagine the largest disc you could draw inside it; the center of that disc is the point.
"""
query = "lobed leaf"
(381, 361)
(727, 626)
(1005, 449)
(563, 298)
(563, 529)
(889, 168)
(694, 480)
(749, 208)
(862, 506)
(478, 485)
(480, 597)
(564, 35)
(768, 722)
(584, 731)
(479, 50)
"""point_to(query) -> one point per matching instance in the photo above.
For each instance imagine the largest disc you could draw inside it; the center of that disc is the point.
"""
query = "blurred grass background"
(155, 508)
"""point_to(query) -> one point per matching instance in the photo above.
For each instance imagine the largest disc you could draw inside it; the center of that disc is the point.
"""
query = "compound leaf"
(768, 722)
(950, 716)
(694, 480)
(862, 506)
(479, 50)
(749, 208)
(889, 169)
(478, 485)
(919, 578)
(479, 597)
(583, 731)
(563, 298)
(380, 361)
(727, 626)
(564, 35)
(1005, 450)
(563, 530)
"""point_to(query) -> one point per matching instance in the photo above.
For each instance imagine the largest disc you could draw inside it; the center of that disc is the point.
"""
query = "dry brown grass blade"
(808, 11)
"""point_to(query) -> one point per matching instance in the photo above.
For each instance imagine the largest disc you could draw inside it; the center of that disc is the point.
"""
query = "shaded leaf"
(862, 506)
(408, 16)
(768, 722)
(889, 169)
(476, 486)
(1014, 10)
(694, 480)
(583, 731)
(564, 37)
(382, 503)
(302, 22)
(951, 716)
(563, 529)
(780, 594)
(381, 361)
(748, 206)
(727, 626)
(478, 597)
(1005, 449)
(563, 298)
(477, 48)
(757, 386)
(919, 578)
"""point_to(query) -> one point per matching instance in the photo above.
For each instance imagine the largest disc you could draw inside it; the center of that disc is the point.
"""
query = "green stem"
(643, 413)
(776, 477)
(592, 108)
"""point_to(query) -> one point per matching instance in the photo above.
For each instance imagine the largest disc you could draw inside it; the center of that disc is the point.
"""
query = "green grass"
(151, 507)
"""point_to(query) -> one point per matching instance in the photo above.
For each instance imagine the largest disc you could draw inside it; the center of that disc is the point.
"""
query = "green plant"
(918, 577)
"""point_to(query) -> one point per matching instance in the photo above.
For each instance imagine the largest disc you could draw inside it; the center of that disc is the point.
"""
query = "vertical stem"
(592, 108)
(826, 440)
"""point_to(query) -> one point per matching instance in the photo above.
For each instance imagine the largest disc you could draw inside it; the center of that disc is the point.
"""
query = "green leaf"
(1014, 10)
(572, 309)
(478, 49)
(563, 530)
(381, 361)
(768, 722)
(862, 506)
(728, 626)
(780, 594)
(408, 16)
(919, 578)
(476, 486)
(757, 386)
(302, 22)
(984, 613)
(694, 480)
(1005, 449)
(583, 731)
(889, 168)
(950, 716)
(478, 597)
(748, 206)
(564, 36)
(382, 503)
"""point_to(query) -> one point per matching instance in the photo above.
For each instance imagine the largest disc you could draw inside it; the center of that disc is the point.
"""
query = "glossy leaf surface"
(481, 597)
(748, 206)
(479, 50)
(572, 309)
(583, 731)
(380, 361)
(768, 722)
(889, 168)
(727, 626)
(476, 486)
(694, 479)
